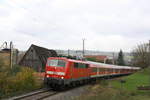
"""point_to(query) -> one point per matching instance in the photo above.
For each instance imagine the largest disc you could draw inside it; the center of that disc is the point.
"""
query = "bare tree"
(141, 55)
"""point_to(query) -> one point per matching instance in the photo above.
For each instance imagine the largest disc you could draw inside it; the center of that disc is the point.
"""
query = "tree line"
(140, 56)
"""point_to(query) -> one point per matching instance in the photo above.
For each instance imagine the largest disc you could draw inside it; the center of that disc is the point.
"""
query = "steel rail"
(49, 95)
(29, 94)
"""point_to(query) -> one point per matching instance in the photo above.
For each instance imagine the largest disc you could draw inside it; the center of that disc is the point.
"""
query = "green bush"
(15, 70)
(16, 80)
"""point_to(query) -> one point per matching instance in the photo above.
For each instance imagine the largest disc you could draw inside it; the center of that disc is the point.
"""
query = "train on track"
(61, 71)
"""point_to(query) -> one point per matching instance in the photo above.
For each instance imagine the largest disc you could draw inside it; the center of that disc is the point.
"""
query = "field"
(115, 90)
(16, 80)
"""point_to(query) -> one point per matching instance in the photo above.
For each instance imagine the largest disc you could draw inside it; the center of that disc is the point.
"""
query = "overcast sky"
(107, 25)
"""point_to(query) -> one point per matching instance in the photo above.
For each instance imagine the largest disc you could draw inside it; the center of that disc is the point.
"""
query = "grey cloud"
(62, 24)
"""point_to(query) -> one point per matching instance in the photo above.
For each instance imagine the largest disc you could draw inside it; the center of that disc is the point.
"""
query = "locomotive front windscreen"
(56, 63)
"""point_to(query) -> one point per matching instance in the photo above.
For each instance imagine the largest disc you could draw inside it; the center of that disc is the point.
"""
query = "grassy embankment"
(16, 80)
(115, 90)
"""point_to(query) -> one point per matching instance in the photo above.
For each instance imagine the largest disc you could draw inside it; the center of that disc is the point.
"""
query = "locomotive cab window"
(56, 63)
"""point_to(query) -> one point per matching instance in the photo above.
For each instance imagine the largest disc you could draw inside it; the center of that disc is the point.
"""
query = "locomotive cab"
(65, 72)
(55, 72)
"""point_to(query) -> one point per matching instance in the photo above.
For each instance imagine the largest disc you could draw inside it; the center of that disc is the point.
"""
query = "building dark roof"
(5, 50)
(42, 53)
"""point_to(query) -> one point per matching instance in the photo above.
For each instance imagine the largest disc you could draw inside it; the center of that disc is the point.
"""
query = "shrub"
(25, 79)
(15, 69)
(22, 79)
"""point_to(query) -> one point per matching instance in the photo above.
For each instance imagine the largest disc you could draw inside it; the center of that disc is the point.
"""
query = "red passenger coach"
(69, 72)
(106, 70)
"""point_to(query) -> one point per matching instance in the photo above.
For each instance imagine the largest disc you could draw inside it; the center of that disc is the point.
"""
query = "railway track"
(38, 95)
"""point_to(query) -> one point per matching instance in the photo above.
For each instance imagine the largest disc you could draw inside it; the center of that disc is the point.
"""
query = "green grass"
(141, 78)
(115, 90)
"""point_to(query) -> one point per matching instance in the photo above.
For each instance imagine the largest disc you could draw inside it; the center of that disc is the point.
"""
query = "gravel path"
(70, 94)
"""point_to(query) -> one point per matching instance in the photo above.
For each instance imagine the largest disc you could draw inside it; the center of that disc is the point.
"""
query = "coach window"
(101, 69)
(80, 65)
(87, 65)
(94, 69)
(76, 65)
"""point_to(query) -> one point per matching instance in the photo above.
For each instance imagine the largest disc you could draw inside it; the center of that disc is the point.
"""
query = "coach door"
(71, 70)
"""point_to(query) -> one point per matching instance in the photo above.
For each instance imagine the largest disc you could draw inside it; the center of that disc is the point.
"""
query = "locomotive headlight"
(47, 76)
(62, 77)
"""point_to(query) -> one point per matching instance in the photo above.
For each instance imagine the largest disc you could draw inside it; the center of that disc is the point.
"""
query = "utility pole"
(11, 54)
(68, 52)
(149, 52)
(83, 52)
(149, 46)
(105, 60)
(113, 58)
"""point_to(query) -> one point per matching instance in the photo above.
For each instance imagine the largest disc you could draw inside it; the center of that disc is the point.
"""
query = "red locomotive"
(69, 72)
